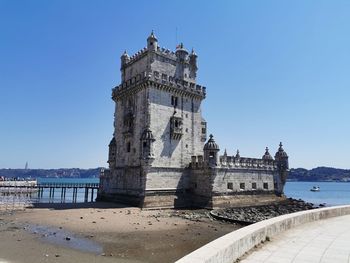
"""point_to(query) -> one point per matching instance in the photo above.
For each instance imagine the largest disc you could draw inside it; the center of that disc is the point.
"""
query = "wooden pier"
(14, 187)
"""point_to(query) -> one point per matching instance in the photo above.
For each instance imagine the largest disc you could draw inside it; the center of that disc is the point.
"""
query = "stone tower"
(158, 123)
(158, 156)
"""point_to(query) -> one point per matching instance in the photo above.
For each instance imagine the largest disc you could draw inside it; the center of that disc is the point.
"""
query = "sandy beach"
(104, 232)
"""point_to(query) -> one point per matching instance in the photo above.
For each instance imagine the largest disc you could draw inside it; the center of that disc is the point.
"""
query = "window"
(230, 186)
(266, 186)
(204, 130)
(254, 186)
(164, 76)
(128, 146)
(242, 186)
(174, 101)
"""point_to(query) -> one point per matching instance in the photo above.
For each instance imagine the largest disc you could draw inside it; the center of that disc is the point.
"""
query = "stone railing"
(230, 247)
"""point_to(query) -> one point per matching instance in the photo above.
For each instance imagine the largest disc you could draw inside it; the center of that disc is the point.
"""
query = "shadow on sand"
(63, 206)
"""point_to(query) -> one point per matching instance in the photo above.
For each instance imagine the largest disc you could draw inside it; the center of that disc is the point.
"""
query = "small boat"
(315, 189)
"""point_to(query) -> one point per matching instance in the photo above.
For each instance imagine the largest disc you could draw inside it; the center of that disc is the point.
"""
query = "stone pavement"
(326, 241)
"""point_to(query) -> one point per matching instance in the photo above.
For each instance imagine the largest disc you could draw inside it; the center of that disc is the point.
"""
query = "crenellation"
(155, 76)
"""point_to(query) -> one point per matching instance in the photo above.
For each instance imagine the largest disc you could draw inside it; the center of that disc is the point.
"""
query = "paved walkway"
(326, 241)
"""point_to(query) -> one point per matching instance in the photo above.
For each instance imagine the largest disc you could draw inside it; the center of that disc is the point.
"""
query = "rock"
(57, 255)
(67, 238)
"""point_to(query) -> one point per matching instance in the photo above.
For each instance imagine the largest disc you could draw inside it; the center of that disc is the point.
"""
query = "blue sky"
(274, 71)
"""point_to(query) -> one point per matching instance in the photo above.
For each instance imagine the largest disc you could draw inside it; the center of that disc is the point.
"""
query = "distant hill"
(320, 174)
(298, 174)
(62, 173)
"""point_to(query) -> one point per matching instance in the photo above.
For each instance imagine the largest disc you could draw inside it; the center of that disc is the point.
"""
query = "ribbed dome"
(267, 155)
(211, 144)
(147, 135)
(280, 153)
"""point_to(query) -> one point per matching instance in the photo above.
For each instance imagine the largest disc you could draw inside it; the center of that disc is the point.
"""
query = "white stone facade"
(157, 155)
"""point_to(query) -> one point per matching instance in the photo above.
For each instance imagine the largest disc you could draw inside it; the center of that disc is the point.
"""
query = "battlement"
(235, 162)
(162, 81)
(162, 51)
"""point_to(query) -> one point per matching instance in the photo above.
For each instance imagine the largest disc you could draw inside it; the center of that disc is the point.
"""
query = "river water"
(330, 194)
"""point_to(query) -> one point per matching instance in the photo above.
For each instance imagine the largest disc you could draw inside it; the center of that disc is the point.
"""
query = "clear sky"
(274, 71)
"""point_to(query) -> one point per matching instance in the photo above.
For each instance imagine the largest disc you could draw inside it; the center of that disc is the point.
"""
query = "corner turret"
(267, 155)
(152, 42)
(181, 53)
(281, 158)
(147, 140)
(193, 65)
(211, 150)
(112, 153)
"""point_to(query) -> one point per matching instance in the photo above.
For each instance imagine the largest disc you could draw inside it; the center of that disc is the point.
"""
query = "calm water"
(331, 193)
(69, 193)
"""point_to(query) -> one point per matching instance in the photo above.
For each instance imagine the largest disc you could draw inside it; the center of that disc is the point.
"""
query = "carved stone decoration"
(147, 140)
(176, 128)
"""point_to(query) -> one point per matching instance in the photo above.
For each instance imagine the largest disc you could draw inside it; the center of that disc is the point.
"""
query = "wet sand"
(104, 233)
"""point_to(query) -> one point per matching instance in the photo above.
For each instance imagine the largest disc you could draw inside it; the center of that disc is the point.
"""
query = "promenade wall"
(232, 246)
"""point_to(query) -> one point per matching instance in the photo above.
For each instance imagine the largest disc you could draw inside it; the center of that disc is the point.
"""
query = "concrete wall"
(230, 247)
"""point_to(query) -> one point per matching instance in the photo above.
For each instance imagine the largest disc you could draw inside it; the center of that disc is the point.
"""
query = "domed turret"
(124, 58)
(193, 65)
(211, 144)
(211, 150)
(281, 158)
(280, 153)
(147, 140)
(112, 152)
(267, 155)
(147, 135)
(152, 42)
